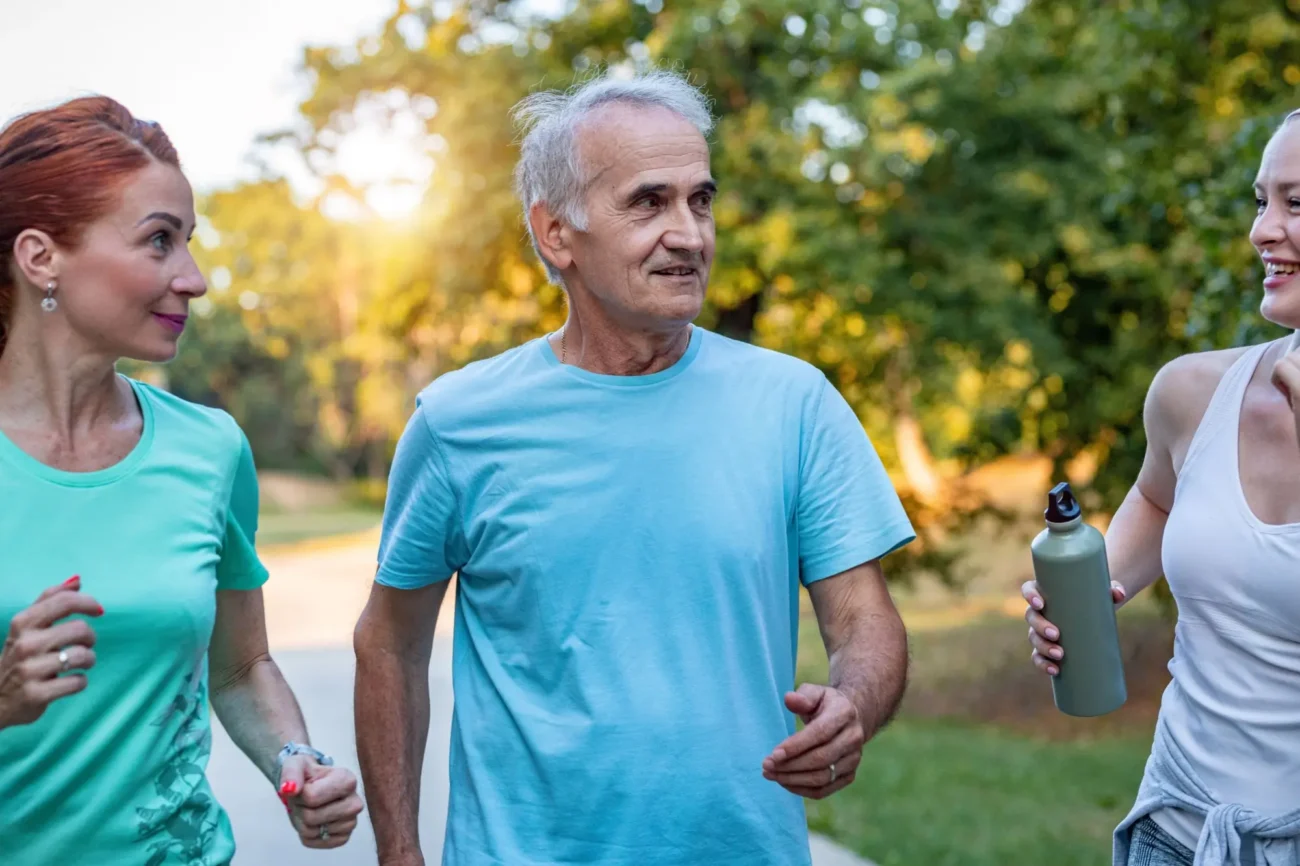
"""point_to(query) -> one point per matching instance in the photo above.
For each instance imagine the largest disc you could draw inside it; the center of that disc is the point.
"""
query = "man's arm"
(867, 646)
(865, 642)
(393, 642)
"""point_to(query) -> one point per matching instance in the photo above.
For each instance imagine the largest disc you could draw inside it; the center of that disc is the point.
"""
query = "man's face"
(648, 247)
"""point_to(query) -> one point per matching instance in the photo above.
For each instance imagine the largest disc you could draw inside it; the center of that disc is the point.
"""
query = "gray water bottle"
(1074, 581)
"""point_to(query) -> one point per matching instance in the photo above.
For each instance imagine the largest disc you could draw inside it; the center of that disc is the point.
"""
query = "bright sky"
(214, 73)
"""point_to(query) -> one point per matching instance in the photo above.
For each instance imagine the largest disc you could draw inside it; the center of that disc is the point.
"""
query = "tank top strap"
(1223, 415)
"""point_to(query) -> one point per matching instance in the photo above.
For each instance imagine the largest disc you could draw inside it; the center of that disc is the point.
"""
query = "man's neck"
(619, 352)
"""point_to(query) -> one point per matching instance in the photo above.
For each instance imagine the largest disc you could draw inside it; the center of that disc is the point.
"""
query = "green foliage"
(994, 225)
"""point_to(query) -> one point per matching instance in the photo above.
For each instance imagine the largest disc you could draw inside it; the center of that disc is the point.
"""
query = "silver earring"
(49, 305)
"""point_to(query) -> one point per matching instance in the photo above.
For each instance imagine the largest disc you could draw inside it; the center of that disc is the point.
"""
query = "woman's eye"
(161, 241)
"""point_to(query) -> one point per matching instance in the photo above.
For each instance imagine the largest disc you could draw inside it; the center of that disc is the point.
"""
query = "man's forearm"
(392, 722)
(870, 666)
(258, 710)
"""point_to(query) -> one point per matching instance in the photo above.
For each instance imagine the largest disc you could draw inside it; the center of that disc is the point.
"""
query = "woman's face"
(1276, 233)
(126, 289)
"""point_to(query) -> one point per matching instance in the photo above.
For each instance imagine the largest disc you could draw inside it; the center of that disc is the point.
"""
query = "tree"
(988, 223)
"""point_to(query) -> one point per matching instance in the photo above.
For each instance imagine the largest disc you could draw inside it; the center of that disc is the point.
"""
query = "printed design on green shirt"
(182, 820)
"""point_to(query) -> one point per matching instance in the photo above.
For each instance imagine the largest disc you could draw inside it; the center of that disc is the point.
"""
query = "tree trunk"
(738, 322)
(915, 458)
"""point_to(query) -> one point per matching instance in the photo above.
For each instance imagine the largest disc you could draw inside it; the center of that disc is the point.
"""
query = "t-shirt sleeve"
(848, 512)
(422, 542)
(239, 567)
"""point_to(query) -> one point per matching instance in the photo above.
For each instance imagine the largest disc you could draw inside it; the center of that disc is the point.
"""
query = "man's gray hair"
(549, 168)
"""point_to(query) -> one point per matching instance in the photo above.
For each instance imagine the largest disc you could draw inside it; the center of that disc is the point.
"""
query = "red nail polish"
(70, 581)
(99, 610)
(293, 788)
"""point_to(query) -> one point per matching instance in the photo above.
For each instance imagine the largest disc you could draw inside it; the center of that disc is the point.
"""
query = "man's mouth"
(676, 272)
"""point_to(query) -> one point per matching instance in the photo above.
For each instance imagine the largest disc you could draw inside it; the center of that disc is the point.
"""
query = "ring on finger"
(64, 661)
(324, 834)
(834, 775)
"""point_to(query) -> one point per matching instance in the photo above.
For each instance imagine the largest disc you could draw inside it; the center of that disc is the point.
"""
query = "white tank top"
(1233, 705)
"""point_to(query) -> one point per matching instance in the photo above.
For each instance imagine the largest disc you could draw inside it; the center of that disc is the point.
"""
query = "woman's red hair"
(62, 169)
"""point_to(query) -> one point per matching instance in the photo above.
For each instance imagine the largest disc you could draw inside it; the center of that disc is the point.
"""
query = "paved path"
(312, 601)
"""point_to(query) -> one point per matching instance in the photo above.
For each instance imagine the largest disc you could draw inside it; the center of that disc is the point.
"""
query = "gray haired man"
(631, 505)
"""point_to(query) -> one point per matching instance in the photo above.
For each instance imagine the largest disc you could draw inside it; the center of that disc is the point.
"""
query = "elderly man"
(631, 505)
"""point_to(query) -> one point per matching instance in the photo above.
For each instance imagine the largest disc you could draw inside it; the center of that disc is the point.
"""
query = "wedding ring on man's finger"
(324, 834)
(834, 775)
(64, 661)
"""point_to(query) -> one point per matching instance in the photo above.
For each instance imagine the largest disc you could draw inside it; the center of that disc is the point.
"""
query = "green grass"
(979, 769)
(280, 528)
(942, 793)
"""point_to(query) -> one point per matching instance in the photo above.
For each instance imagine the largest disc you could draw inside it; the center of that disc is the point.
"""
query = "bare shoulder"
(1181, 392)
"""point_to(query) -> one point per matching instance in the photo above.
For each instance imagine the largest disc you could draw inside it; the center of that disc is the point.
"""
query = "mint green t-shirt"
(117, 773)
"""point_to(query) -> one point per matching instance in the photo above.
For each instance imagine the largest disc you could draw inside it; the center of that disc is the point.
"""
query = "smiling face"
(126, 288)
(1276, 232)
(648, 247)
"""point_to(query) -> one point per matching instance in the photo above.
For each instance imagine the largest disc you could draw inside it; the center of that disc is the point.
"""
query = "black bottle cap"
(1062, 507)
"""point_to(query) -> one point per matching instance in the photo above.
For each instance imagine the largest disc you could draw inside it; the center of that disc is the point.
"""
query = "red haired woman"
(147, 501)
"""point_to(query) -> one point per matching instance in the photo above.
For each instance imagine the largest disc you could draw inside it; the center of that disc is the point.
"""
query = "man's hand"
(1286, 378)
(823, 757)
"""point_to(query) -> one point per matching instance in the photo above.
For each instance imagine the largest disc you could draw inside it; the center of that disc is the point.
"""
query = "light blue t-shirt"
(629, 552)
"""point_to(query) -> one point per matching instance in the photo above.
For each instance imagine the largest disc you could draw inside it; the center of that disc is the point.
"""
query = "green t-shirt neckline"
(10, 451)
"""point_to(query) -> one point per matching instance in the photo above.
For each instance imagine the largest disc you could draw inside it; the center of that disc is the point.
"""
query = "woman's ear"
(36, 258)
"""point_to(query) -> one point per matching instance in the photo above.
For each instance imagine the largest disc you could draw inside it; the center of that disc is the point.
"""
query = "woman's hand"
(322, 801)
(1043, 636)
(40, 650)
(1286, 378)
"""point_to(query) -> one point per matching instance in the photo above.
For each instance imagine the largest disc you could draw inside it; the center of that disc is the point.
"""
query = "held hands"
(823, 757)
(1286, 378)
(322, 801)
(1043, 635)
(39, 649)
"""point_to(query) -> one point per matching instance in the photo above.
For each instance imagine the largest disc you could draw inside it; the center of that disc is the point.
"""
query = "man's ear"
(553, 235)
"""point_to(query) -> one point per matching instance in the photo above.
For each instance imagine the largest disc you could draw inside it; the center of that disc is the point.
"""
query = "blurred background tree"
(989, 223)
